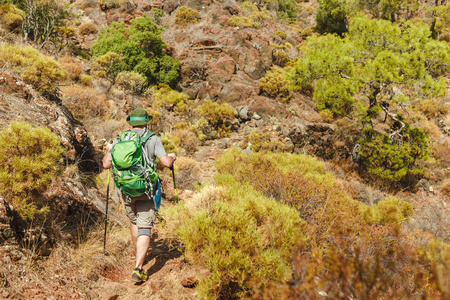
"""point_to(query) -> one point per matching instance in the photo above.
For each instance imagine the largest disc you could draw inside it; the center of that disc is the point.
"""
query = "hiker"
(141, 210)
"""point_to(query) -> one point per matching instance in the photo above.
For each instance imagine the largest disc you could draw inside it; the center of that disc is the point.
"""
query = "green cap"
(138, 117)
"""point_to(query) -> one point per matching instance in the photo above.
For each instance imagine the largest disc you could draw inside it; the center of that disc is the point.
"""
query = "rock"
(189, 278)
(242, 112)
(256, 116)
(423, 184)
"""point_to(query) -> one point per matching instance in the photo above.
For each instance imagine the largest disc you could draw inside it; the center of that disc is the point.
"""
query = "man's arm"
(107, 159)
(167, 160)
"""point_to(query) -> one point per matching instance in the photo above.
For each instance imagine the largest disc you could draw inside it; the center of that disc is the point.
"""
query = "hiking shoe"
(139, 275)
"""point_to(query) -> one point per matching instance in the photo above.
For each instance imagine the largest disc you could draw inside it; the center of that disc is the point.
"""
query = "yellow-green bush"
(131, 82)
(280, 34)
(11, 16)
(170, 143)
(239, 236)
(242, 22)
(390, 210)
(275, 85)
(280, 58)
(265, 141)
(108, 4)
(39, 70)
(326, 115)
(156, 115)
(186, 15)
(86, 79)
(173, 100)
(217, 116)
(345, 253)
(28, 162)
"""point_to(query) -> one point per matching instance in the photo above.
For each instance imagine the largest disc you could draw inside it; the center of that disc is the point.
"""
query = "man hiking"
(141, 210)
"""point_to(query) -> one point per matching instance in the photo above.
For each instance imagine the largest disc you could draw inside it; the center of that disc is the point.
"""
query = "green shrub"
(141, 49)
(40, 71)
(108, 66)
(28, 162)
(393, 158)
(331, 17)
(275, 85)
(217, 115)
(186, 15)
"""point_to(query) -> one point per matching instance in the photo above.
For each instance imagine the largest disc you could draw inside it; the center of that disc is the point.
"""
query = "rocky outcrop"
(220, 62)
(19, 102)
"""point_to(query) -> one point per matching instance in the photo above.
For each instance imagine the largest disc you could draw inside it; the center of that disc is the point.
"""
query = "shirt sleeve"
(159, 148)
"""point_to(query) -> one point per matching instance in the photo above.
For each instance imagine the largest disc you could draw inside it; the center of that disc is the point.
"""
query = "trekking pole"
(174, 184)
(106, 212)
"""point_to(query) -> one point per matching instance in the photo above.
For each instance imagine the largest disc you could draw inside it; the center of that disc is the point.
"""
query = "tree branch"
(394, 117)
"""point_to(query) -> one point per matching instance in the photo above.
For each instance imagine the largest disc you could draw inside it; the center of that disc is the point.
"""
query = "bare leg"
(134, 234)
(142, 245)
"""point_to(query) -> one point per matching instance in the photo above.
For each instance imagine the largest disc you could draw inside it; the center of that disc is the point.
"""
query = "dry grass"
(441, 152)
(188, 140)
(72, 66)
(84, 102)
(432, 129)
(187, 172)
(432, 215)
(87, 28)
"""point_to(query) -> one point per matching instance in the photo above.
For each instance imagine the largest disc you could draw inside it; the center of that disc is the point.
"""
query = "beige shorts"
(140, 210)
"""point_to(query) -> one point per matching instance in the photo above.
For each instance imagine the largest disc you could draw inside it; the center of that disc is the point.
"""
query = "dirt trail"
(166, 268)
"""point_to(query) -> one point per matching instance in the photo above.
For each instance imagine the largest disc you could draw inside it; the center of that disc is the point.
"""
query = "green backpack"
(132, 173)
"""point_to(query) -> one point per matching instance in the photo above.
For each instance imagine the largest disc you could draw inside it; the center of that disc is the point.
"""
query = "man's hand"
(168, 159)
(109, 146)
(173, 156)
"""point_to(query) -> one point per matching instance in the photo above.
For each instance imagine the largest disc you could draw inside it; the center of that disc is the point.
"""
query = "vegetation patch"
(214, 119)
(29, 160)
(137, 47)
(41, 71)
(186, 15)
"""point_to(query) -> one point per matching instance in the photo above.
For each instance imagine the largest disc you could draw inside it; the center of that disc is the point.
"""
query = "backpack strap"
(147, 135)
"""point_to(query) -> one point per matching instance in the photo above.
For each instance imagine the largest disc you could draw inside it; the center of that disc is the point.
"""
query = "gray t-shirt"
(153, 147)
